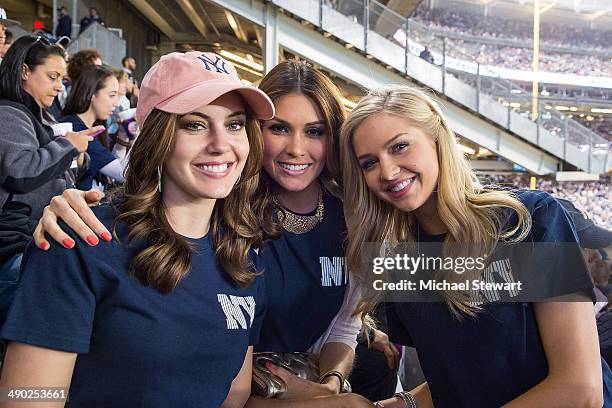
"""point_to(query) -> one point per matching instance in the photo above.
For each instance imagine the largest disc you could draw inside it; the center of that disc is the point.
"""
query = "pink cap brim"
(206, 92)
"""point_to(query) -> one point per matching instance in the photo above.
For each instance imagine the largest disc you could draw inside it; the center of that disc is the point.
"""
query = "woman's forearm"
(420, 393)
(338, 357)
(332, 401)
(552, 393)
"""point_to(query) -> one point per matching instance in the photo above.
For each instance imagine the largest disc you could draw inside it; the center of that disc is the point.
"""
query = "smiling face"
(45, 81)
(209, 151)
(295, 143)
(399, 160)
(106, 99)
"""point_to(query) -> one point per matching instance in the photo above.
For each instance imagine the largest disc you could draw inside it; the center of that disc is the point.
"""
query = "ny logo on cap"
(3, 14)
(215, 64)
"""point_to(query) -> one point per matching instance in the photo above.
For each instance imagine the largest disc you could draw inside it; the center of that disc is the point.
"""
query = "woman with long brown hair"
(93, 98)
(310, 296)
(167, 313)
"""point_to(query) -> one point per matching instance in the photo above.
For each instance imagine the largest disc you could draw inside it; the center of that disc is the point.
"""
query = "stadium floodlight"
(237, 58)
(601, 110)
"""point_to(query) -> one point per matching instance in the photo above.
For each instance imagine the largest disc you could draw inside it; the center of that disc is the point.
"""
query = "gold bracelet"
(334, 373)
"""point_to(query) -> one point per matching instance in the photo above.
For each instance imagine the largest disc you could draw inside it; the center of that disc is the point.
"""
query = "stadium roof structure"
(593, 8)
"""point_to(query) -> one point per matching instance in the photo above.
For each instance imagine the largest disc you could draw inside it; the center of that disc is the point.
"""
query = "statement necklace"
(298, 223)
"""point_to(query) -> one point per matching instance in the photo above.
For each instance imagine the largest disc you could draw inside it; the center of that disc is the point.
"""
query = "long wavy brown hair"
(296, 76)
(166, 259)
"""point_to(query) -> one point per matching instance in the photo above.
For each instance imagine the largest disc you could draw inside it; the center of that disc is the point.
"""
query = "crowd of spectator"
(602, 125)
(517, 57)
(519, 30)
(594, 196)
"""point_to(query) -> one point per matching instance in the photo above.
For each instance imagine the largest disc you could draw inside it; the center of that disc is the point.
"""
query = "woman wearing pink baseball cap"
(309, 115)
(165, 314)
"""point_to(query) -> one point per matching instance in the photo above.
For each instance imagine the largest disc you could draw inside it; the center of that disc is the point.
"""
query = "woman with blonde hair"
(407, 181)
(167, 313)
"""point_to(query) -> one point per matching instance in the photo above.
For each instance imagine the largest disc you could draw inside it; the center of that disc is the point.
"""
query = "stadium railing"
(396, 41)
(107, 41)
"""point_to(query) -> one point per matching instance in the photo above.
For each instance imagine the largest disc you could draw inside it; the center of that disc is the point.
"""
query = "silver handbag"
(267, 385)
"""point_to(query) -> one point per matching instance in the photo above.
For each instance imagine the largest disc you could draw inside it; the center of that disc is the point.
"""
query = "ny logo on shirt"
(233, 307)
(503, 270)
(333, 271)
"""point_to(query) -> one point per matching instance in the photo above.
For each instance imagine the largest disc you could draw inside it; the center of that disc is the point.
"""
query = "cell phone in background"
(97, 132)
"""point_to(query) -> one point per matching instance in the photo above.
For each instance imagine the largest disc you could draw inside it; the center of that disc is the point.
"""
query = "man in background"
(64, 23)
(129, 66)
(8, 40)
(4, 23)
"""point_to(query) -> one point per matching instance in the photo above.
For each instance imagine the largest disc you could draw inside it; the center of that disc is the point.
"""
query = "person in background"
(34, 163)
(116, 131)
(93, 98)
(129, 66)
(64, 23)
(8, 40)
(82, 59)
(426, 55)
(4, 23)
(93, 17)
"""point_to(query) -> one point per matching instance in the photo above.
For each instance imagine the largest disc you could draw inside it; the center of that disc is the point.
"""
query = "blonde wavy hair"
(166, 259)
(470, 212)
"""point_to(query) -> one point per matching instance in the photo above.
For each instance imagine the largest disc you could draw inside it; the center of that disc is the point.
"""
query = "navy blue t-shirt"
(99, 155)
(137, 347)
(495, 357)
(306, 279)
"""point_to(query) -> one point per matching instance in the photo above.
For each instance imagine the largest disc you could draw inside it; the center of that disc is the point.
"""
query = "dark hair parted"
(92, 79)
(234, 228)
(296, 76)
(81, 60)
(27, 51)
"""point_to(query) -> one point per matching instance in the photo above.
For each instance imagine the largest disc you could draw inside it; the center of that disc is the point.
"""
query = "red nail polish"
(44, 246)
(106, 236)
(68, 243)
(269, 365)
(92, 239)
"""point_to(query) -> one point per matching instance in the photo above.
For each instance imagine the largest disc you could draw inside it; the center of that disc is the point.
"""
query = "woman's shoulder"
(77, 123)
(535, 199)
(550, 221)
(11, 110)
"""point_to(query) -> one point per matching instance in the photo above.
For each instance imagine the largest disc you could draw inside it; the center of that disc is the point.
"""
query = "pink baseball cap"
(181, 82)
